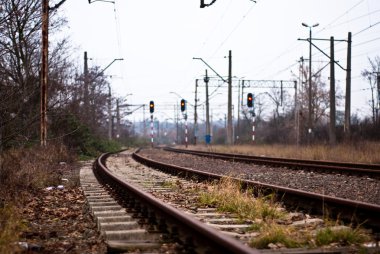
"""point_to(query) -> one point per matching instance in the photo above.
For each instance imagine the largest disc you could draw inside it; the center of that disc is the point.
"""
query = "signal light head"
(151, 106)
(250, 100)
(183, 105)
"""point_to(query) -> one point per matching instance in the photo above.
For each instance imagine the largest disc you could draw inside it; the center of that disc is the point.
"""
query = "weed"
(343, 236)
(228, 197)
(275, 234)
(10, 227)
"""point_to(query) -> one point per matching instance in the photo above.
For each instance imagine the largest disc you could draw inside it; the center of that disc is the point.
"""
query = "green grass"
(275, 234)
(345, 236)
(227, 196)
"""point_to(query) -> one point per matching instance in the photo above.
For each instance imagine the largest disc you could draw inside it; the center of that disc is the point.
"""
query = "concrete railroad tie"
(120, 231)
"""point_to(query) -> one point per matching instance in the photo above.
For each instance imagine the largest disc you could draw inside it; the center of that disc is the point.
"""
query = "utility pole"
(44, 71)
(347, 112)
(310, 94)
(378, 96)
(296, 113)
(117, 119)
(109, 113)
(144, 121)
(229, 112)
(86, 88)
(310, 121)
(237, 132)
(332, 129)
(195, 112)
(176, 123)
(208, 136)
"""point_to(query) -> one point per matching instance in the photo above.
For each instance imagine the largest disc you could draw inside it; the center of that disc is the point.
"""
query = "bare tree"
(320, 99)
(371, 75)
(20, 33)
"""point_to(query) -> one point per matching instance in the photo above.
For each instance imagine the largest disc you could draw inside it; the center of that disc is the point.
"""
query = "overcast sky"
(159, 38)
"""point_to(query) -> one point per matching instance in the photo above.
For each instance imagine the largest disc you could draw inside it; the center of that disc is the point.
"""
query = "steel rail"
(190, 226)
(314, 202)
(371, 169)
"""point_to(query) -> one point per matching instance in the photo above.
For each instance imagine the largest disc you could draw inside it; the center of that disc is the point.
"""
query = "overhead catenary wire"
(329, 26)
(341, 16)
(232, 31)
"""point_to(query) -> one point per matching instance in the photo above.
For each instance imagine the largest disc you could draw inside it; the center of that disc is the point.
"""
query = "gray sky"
(159, 38)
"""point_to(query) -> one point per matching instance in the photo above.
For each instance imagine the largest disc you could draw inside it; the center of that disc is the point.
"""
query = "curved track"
(348, 209)
(342, 167)
(193, 235)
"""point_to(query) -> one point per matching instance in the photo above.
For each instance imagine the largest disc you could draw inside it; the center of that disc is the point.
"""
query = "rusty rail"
(313, 202)
(342, 167)
(190, 228)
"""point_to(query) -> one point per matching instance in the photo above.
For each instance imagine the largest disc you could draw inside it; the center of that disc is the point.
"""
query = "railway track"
(139, 221)
(314, 203)
(325, 166)
(154, 227)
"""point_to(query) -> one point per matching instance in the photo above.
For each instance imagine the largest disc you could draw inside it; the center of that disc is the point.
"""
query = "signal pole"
(151, 110)
(186, 139)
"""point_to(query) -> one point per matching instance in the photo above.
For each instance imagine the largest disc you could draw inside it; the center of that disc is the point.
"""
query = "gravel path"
(361, 188)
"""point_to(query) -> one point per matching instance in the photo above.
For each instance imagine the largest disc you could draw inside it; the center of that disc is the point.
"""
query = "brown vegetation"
(25, 172)
(360, 152)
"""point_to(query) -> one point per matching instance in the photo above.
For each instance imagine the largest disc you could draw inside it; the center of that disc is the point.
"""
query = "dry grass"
(359, 152)
(10, 226)
(228, 197)
(265, 214)
(27, 169)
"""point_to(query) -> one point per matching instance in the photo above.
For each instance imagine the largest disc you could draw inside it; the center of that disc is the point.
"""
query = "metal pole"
(378, 96)
(144, 121)
(195, 113)
(117, 119)
(44, 71)
(109, 113)
(347, 117)
(296, 112)
(237, 131)
(332, 93)
(208, 137)
(151, 129)
(186, 130)
(310, 92)
(229, 113)
(253, 127)
(86, 84)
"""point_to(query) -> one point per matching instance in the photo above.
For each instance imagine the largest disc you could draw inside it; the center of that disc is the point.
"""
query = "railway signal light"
(151, 106)
(183, 105)
(250, 100)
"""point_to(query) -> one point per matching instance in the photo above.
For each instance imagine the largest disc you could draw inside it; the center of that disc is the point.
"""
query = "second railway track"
(344, 195)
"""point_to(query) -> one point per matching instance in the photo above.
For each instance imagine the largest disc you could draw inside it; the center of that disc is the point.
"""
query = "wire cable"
(233, 30)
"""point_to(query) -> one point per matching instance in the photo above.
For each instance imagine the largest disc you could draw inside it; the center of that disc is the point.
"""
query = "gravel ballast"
(360, 188)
